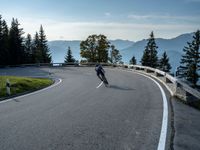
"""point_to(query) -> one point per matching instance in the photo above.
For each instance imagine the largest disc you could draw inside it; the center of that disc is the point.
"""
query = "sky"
(117, 19)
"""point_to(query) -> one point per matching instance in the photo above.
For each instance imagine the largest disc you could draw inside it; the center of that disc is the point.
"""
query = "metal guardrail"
(181, 89)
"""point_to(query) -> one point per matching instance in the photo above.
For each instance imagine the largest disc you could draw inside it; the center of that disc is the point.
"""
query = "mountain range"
(173, 47)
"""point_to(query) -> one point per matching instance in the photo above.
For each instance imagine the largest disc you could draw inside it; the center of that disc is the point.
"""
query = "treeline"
(15, 49)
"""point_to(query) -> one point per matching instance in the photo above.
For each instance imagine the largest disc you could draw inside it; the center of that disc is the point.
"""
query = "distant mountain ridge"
(173, 47)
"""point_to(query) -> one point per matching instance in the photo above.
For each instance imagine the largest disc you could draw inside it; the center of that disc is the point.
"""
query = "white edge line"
(159, 80)
(99, 85)
(11, 99)
(163, 133)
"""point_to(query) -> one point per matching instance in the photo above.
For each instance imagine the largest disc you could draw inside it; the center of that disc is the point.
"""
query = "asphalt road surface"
(75, 115)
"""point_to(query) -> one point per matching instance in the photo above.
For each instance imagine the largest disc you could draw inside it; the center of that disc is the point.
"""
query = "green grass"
(22, 84)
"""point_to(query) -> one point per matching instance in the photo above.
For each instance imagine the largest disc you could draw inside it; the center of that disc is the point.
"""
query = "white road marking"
(4, 101)
(99, 85)
(163, 133)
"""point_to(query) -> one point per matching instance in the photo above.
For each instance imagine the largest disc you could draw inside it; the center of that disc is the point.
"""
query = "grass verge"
(21, 85)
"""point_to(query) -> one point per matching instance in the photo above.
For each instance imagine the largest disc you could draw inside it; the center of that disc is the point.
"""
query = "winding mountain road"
(75, 115)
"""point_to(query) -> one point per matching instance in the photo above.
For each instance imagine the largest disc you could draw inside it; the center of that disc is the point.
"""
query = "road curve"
(75, 115)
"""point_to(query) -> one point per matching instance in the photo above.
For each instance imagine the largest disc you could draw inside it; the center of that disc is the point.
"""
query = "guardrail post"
(180, 92)
(8, 87)
(167, 80)
(175, 88)
(156, 74)
(137, 68)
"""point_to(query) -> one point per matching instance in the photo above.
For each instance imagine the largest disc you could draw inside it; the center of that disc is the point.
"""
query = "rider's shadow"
(121, 88)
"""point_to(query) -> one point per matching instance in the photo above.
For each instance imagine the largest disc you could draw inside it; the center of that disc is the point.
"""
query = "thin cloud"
(107, 14)
(163, 17)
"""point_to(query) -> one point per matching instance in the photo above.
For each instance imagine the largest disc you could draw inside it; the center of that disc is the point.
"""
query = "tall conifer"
(16, 49)
(164, 64)
(28, 48)
(190, 60)
(37, 55)
(46, 56)
(149, 57)
(4, 55)
(69, 58)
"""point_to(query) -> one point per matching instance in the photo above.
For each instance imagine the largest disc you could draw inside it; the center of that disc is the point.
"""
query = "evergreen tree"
(4, 56)
(41, 52)
(149, 57)
(164, 64)
(28, 48)
(95, 48)
(145, 61)
(115, 55)
(43, 46)
(69, 58)
(190, 60)
(133, 61)
(16, 49)
(1, 42)
(5, 43)
(37, 55)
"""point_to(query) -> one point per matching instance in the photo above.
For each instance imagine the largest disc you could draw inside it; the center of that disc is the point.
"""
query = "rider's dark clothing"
(100, 71)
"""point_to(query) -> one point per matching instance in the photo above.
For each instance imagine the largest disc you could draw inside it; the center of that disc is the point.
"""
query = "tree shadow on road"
(121, 88)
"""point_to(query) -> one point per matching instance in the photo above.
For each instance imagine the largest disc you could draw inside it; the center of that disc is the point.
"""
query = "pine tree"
(37, 55)
(133, 61)
(164, 64)
(115, 55)
(41, 52)
(1, 42)
(43, 46)
(28, 48)
(5, 43)
(4, 56)
(149, 57)
(145, 61)
(190, 60)
(69, 58)
(16, 49)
